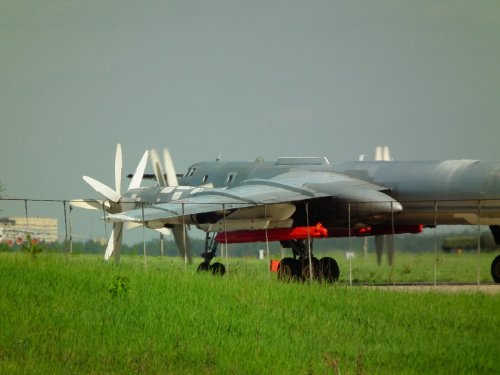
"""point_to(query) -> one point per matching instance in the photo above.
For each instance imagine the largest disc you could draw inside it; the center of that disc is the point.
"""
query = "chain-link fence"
(363, 243)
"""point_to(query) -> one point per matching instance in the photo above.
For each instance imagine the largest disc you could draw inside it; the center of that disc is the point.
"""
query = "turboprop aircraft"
(297, 199)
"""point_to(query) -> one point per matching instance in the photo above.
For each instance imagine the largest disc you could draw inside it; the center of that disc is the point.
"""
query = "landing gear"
(310, 269)
(300, 268)
(204, 266)
(218, 269)
(495, 269)
(329, 270)
(210, 251)
(289, 269)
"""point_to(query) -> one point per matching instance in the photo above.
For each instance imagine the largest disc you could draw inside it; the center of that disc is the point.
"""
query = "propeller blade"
(169, 169)
(158, 170)
(102, 189)
(164, 231)
(135, 183)
(115, 242)
(182, 241)
(89, 204)
(118, 169)
(130, 225)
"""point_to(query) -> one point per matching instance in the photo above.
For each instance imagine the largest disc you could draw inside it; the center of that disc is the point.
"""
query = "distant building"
(41, 228)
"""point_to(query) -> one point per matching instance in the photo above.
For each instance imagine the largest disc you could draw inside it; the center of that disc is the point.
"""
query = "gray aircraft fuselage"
(431, 192)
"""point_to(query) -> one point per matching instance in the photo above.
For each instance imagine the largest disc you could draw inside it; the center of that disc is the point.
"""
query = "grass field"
(420, 267)
(69, 315)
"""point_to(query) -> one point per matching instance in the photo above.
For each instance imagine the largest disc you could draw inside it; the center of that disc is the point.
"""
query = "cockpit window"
(190, 172)
(230, 178)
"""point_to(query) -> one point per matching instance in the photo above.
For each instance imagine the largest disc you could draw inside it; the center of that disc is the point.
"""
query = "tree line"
(404, 243)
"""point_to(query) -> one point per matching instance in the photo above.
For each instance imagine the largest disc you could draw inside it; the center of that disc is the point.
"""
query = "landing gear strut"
(301, 268)
(210, 251)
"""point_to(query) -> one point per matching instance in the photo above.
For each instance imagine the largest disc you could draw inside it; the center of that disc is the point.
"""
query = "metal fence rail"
(474, 213)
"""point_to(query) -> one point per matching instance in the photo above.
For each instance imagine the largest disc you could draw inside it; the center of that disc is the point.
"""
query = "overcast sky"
(246, 78)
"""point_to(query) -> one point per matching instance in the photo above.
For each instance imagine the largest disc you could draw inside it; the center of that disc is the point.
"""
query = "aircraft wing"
(285, 188)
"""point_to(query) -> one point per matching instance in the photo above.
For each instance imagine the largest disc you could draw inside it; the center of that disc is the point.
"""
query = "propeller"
(90, 204)
(169, 169)
(113, 203)
(166, 176)
(102, 189)
(136, 180)
(118, 169)
(157, 168)
(112, 195)
(115, 242)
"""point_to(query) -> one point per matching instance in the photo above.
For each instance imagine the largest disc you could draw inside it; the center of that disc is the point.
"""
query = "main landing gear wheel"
(218, 269)
(306, 269)
(329, 270)
(209, 254)
(299, 267)
(204, 266)
(495, 269)
(288, 269)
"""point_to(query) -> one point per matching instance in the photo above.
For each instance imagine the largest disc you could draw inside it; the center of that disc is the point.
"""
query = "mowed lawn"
(77, 314)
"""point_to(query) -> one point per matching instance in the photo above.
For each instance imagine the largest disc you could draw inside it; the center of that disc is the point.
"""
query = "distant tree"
(2, 188)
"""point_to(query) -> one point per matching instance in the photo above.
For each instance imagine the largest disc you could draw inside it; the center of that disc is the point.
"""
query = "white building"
(41, 228)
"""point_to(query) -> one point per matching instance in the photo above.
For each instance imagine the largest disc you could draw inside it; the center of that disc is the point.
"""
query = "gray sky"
(245, 78)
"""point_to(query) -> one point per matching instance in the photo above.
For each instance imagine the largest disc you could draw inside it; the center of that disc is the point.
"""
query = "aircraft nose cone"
(386, 207)
(376, 203)
(396, 206)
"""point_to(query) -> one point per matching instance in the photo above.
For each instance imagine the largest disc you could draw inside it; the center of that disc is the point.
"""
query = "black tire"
(329, 270)
(495, 269)
(306, 270)
(218, 269)
(203, 267)
(288, 269)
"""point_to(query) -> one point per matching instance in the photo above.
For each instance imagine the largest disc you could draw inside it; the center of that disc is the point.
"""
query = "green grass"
(419, 267)
(57, 316)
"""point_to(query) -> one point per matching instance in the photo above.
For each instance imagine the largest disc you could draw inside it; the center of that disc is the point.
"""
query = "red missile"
(376, 230)
(318, 231)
